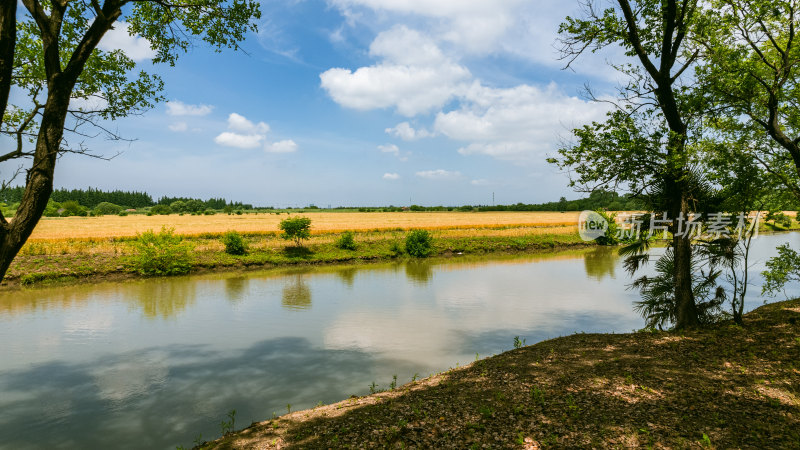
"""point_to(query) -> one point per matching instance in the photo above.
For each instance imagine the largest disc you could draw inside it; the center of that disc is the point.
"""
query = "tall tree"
(49, 53)
(647, 140)
(750, 72)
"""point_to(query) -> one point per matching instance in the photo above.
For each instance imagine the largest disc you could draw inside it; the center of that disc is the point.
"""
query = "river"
(157, 363)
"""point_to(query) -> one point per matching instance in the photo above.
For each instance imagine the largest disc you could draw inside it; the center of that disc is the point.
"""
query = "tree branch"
(633, 32)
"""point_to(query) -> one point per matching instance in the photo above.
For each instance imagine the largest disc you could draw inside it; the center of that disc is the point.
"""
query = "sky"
(359, 103)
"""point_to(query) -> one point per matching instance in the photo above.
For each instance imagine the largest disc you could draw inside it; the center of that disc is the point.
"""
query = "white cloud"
(394, 150)
(475, 25)
(480, 182)
(390, 148)
(178, 108)
(519, 124)
(439, 174)
(246, 134)
(413, 76)
(91, 103)
(229, 139)
(240, 123)
(179, 127)
(391, 176)
(136, 47)
(406, 132)
(287, 146)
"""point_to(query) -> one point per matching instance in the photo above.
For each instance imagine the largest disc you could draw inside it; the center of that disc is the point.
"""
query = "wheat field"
(108, 227)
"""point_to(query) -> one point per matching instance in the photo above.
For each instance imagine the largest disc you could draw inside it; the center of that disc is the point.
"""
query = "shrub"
(161, 254)
(73, 208)
(234, 244)
(346, 241)
(209, 212)
(297, 229)
(163, 210)
(122, 213)
(779, 218)
(419, 243)
(104, 208)
(396, 248)
(610, 236)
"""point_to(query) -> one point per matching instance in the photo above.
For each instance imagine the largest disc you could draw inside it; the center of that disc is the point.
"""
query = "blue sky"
(360, 102)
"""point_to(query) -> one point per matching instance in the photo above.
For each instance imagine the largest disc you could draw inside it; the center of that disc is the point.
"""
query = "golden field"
(108, 227)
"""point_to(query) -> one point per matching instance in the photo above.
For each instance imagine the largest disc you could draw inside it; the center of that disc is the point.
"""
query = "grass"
(722, 387)
(46, 259)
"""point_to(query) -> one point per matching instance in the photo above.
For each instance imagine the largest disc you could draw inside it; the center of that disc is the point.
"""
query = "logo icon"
(591, 225)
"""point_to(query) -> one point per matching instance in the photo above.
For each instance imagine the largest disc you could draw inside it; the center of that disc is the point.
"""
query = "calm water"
(154, 363)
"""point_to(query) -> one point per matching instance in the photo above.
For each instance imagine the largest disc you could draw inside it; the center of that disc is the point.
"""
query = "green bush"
(346, 241)
(161, 254)
(72, 208)
(209, 212)
(122, 213)
(106, 208)
(162, 210)
(419, 243)
(234, 243)
(296, 228)
(396, 249)
(610, 236)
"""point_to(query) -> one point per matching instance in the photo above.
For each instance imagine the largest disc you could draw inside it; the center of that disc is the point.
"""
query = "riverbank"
(722, 387)
(67, 261)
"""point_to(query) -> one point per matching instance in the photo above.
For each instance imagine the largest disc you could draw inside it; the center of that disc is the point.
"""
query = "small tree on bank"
(296, 229)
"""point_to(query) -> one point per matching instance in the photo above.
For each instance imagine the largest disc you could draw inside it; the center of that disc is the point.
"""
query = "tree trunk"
(686, 308)
(8, 42)
(686, 314)
(39, 180)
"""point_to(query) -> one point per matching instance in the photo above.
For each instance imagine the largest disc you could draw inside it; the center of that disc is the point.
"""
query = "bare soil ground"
(722, 387)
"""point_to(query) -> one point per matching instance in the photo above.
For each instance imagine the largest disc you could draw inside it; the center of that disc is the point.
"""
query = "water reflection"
(419, 271)
(96, 366)
(601, 262)
(163, 298)
(296, 293)
(236, 288)
(347, 275)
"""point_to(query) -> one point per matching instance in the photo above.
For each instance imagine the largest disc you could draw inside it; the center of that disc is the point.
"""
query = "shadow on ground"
(726, 387)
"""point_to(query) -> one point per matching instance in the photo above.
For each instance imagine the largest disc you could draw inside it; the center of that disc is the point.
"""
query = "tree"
(647, 140)
(750, 73)
(296, 228)
(48, 51)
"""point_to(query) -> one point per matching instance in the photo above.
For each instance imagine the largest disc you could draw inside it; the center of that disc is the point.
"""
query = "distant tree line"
(91, 197)
(600, 199)
(88, 198)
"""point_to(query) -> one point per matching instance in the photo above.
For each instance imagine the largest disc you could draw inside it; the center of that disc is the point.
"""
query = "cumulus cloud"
(135, 47)
(519, 124)
(391, 176)
(394, 150)
(413, 76)
(178, 108)
(229, 139)
(88, 104)
(240, 123)
(246, 134)
(406, 132)
(389, 148)
(179, 127)
(287, 146)
(439, 174)
(476, 26)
